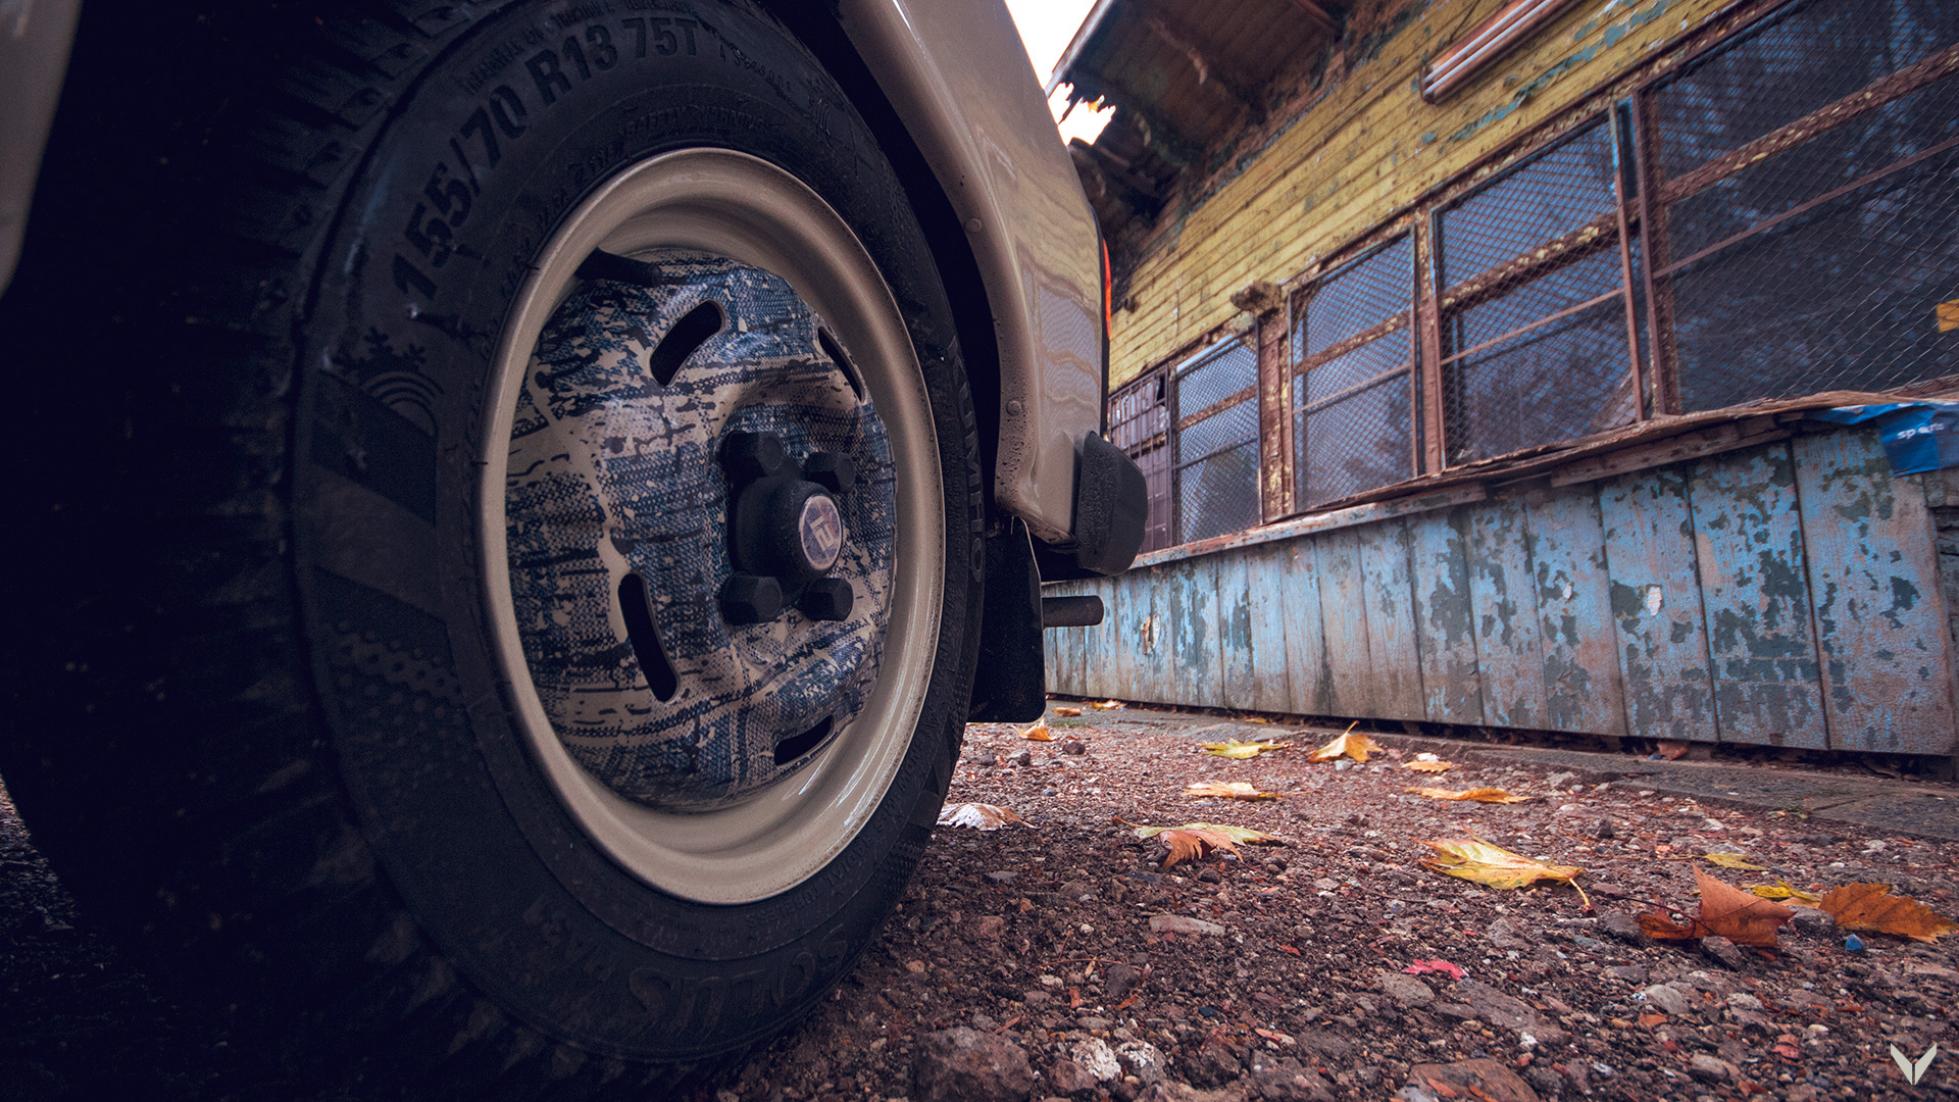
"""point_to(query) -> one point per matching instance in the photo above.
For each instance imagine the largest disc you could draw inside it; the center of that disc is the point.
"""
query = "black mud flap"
(1012, 682)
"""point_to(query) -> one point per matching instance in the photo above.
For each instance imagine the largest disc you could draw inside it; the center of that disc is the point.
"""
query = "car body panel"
(34, 39)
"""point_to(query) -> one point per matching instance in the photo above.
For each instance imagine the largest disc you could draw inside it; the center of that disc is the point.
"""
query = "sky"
(1046, 26)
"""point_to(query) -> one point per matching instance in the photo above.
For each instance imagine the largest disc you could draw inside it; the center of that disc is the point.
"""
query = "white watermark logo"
(1914, 1070)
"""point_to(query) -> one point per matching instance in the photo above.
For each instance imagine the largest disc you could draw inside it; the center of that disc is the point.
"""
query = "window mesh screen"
(1354, 358)
(1809, 223)
(1536, 348)
(1217, 442)
(1139, 424)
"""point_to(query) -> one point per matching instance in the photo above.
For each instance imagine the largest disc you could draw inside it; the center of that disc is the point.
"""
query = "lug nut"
(827, 599)
(747, 456)
(751, 599)
(831, 470)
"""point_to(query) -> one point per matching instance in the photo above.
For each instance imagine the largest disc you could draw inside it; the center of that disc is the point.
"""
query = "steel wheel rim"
(732, 205)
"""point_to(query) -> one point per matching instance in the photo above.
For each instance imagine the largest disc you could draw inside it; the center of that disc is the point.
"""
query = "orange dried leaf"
(1347, 745)
(1873, 909)
(1227, 790)
(1673, 749)
(1725, 911)
(1066, 711)
(1429, 763)
(1108, 705)
(1474, 795)
(1194, 840)
(1038, 732)
(979, 816)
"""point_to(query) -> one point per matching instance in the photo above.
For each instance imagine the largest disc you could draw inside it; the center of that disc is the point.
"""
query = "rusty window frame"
(1139, 424)
(1211, 356)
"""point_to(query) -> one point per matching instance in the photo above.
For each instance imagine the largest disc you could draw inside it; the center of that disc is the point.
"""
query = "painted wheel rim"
(721, 762)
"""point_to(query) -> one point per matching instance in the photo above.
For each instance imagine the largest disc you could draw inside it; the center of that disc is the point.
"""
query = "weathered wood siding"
(1365, 146)
(1789, 594)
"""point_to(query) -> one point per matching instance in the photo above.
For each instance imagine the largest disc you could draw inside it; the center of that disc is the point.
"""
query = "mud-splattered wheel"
(511, 626)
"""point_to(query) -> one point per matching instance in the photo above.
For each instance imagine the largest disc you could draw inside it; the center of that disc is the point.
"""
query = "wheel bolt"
(827, 599)
(831, 470)
(750, 599)
(747, 456)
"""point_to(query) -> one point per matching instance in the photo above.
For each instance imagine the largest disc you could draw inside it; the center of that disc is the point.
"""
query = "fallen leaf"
(1872, 907)
(979, 816)
(1733, 861)
(1038, 732)
(1496, 867)
(1673, 749)
(1193, 840)
(1782, 889)
(1227, 790)
(1725, 911)
(1948, 315)
(1066, 711)
(1347, 745)
(1429, 763)
(1238, 750)
(1423, 967)
(1108, 705)
(1475, 795)
(1652, 1018)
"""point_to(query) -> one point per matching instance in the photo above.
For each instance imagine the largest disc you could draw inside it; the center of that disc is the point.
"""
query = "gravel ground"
(1058, 959)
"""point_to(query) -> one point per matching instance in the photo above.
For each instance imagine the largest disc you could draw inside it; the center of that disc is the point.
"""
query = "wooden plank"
(1880, 618)
(1656, 607)
(1503, 599)
(1234, 630)
(1265, 576)
(1582, 690)
(1192, 587)
(1309, 677)
(1058, 646)
(1343, 616)
(1445, 623)
(1393, 654)
(1755, 595)
(1144, 608)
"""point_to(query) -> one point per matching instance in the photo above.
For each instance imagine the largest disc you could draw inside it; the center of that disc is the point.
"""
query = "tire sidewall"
(504, 136)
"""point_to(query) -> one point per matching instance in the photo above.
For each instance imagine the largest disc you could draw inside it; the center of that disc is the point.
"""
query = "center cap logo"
(822, 531)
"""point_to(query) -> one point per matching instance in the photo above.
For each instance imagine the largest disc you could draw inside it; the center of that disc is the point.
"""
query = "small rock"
(1209, 874)
(1559, 780)
(1141, 1060)
(1003, 876)
(990, 926)
(1621, 926)
(1810, 922)
(1742, 1000)
(1724, 952)
(1286, 1080)
(1343, 765)
(1853, 944)
(1074, 748)
(1668, 1000)
(1184, 924)
(1023, 759)
(1404, 989)
(1327, 883)
(1481, 1079)
(966, 1065)
(1214, 1064)
(1096, 1057)
(1067, 1077)
(1119, 979)
(1604, 829)
(915, 967)
(1710, 1069)
(1050, 791)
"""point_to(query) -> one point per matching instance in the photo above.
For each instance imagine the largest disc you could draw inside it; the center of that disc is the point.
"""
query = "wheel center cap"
(821, 527)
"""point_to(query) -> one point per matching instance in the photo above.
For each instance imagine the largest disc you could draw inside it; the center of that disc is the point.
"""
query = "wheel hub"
(700, 505)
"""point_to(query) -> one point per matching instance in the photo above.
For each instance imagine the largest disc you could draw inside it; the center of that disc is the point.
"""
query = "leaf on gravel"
(1193, 840)
(1038, 732)
(1227, 790)
(1423, 967)
(1238, 750)
(1733, 861)
(1872, 908)
(1066, 711)
(1673, 749)
(1475, 795)
(1726, 911)
(980, 816)
(1347, 745)
(1782, 889)
(1429, 763)
(1490, 864)
(1108, 705)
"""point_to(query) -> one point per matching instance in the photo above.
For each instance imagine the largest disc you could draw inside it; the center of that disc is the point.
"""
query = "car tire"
(265, 726)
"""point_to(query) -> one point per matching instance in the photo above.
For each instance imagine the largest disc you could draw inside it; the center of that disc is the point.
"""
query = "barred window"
(1537, 345)
(1353, 361)
(1807, 172)
(1217, 441)
(1139, 424)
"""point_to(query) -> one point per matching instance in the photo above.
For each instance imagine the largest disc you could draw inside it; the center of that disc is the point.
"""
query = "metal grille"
(1139, 424)
(1808, 203)
(1537, 340)
(1217, 441)
(1354, 357)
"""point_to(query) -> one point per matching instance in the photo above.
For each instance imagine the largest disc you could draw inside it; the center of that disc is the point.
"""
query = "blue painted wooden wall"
(1785, 595)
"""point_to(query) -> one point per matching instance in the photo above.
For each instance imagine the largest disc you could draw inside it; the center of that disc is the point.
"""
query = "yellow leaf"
(1492, 865)
(1240, 751)
(1733, 861)
(1872, 907)
(1429, 763)
(1948, 315)
(979, 816)
(1107, 705)
(1476, 795)
(1783, 890)
(1348, 745)
(1227, 790)
(1038, 732)
(1067, 712)
(1193, 840)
